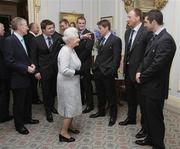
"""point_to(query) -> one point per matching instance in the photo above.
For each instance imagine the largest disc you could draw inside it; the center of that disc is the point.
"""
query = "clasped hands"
(138, 74)
(31, 68)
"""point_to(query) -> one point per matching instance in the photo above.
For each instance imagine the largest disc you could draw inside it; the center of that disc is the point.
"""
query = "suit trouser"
(34, 83)
(134, 98)
(49, 92)
(86, 87)
(22, 105)
(155, 121)
(4, 98)
(105, 86)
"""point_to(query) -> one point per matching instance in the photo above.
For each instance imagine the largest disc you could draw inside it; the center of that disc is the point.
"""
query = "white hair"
(70, 33)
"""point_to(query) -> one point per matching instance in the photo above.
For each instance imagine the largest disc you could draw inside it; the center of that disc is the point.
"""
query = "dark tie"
(152, 39)
(102, 41)
(130, 41)
(49, 41)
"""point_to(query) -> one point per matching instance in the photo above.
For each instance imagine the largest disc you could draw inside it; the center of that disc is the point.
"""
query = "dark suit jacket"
(42, 55)
(135, 56)
(18, 61)
(57, 45)
(108, 58)
(2, 64)
(28, 40)
(84, 51)
(156, 64)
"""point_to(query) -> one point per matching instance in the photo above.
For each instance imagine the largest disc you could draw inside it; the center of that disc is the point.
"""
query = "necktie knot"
(154, 36)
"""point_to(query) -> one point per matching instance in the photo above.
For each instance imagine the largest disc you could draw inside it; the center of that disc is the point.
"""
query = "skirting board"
(173, 104)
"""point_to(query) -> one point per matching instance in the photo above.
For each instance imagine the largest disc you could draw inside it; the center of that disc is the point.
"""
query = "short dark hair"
(138, 13)
(156, 15)
(65, 21)
(80, 18)
(104, 23)
(46, 22)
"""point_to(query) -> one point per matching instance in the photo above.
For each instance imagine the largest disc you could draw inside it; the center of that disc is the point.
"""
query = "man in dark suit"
(4, 82)
(105, 70)
(136, 39)
(33, 32)
(84, 52)
(42, 53)
(153, 76)
(18, 61)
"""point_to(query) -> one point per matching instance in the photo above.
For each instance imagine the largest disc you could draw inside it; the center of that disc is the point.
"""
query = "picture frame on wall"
(71, 17)
(109, 18)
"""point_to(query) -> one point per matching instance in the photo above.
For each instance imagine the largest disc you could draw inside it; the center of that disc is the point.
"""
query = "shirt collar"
(107, 35)
(137, 27)
(18, 36)
(80, 32)
(159, 30)
(32, 33)
(46, 37)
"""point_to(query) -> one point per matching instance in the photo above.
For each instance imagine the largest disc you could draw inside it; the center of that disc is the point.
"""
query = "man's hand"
(33, 66)
(86, 36)
(138, 74)
(31, 69)
(38, 76)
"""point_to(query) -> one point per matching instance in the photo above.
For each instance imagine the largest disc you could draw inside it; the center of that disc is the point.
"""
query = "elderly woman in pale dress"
(68, 83)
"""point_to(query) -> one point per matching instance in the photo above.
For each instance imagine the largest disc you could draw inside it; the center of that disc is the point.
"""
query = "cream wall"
(172, 24)
(94, 9)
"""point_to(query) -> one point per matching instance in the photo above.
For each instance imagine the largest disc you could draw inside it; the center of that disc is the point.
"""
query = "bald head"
(34, 27)
(2, 29)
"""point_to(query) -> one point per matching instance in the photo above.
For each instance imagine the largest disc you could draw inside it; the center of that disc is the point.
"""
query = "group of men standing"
(149, 51)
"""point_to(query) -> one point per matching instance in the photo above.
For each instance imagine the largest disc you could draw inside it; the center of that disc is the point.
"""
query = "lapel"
(127, 36)
(152, 45)
(43, 42)
(19, 44)
(138, 37)
(84, 32)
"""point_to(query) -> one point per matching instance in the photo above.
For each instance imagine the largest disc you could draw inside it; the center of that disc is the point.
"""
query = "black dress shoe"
(10, 117)
(145, 141)
(32, 121)
(98, 114)
(64, 139)
(22, 130)
(112, 121)
(127, 121)
(53, 110)
(75, 131)
(88, 109)
(49, 117)
(141, 134)
(37, 102)
(163, 147)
